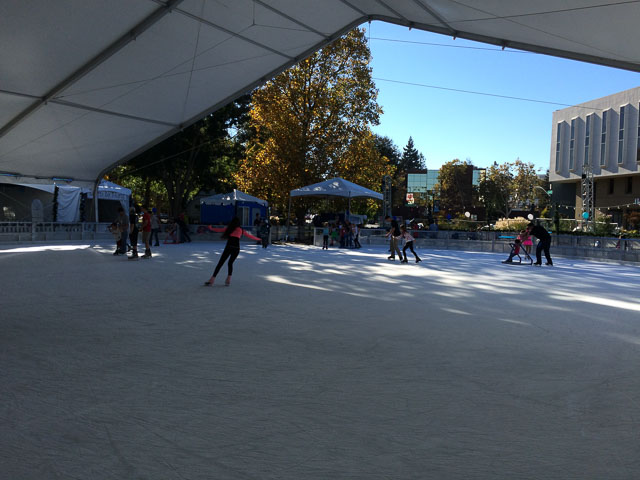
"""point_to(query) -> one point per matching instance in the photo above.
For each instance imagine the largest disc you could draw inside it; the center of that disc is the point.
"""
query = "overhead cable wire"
(437, 87)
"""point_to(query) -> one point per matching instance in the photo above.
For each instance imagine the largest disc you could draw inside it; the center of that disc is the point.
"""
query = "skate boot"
(134, 255)
(147, 253)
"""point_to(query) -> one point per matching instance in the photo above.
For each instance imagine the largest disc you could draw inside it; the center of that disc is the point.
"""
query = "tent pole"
(95, 200)
(288, 219)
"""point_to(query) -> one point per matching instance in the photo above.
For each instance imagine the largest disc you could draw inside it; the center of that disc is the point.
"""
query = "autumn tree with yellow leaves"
(312, 122)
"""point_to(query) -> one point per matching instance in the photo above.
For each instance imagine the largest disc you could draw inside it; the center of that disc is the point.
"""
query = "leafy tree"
(508, 186)
(202, 156)
(454, 189)
(387, 148)
(496, 190)
(310, 120)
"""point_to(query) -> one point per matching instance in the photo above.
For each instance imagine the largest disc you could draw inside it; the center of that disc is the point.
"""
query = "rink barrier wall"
(572, 246)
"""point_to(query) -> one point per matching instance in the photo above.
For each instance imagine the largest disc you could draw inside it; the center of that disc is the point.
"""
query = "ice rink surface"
(315, 365)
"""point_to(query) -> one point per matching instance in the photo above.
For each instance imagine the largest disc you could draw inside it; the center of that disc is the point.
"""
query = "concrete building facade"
(604, 134)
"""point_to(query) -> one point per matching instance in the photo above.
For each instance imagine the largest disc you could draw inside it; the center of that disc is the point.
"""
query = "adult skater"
(395, 235)
(146, 231)
(232, 233)
(133, 233)
(544, 242)
(408, 243)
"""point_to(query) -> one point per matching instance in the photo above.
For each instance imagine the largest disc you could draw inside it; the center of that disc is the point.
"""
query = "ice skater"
(515, 251)
(408, 243)
(544, 242)
(395, 235)
(325, 236)
(527, 242)
(232, 233)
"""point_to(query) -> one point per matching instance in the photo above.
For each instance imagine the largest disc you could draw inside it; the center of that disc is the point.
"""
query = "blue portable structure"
(221, 208)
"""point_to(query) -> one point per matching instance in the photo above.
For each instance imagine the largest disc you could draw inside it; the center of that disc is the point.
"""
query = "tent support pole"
(288, 219)
(95, 200)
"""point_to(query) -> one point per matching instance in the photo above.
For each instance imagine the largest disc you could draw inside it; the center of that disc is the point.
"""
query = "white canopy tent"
(231, 198)
(335, 187)
(92, 84)
(69, 196)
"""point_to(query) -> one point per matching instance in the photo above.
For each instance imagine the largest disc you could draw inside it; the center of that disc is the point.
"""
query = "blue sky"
(447, 124)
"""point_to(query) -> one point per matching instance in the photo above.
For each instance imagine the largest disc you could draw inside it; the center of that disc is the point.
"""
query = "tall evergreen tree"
(411, 159)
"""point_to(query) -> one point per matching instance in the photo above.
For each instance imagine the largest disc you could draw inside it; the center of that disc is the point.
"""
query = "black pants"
(409, 245)
(133, 238)
(543, 245)
(154, 233)
(231, 252)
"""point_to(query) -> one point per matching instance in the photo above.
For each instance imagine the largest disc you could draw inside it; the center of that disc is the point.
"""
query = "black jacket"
(540, 233)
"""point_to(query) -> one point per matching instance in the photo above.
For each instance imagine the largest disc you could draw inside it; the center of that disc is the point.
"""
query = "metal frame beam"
(437, 16)
(96, 61)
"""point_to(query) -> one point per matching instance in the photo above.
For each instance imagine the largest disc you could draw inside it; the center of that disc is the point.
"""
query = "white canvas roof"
(85, 86)
(335, 187)
(231, 198)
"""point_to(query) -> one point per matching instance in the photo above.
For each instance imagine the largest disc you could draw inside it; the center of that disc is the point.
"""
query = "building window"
(587, 135)
(621, 136)
(572, 141)
(558, 139)
(603, 139)
(611, 181)
(629, 185)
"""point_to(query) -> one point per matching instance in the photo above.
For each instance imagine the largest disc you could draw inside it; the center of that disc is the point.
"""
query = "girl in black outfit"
(232, 233)
(408, 238)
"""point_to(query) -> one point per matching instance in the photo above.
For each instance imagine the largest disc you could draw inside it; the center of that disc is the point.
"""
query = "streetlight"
(553, 207)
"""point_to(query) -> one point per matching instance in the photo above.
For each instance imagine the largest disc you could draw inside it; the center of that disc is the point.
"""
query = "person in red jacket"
(232, 233)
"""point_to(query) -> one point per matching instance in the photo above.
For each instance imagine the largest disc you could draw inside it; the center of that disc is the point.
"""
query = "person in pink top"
(232, 233)
(527, 241)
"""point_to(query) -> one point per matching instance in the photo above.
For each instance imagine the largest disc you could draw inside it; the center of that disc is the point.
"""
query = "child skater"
(232, 233)
(408, 243)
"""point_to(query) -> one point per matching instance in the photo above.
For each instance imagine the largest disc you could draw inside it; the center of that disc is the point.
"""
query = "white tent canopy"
(69, 196)
(338, 187)
(231, 198)
(335, 187)
(86, 85)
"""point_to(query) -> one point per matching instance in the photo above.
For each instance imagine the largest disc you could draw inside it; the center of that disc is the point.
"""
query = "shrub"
(512, 224)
